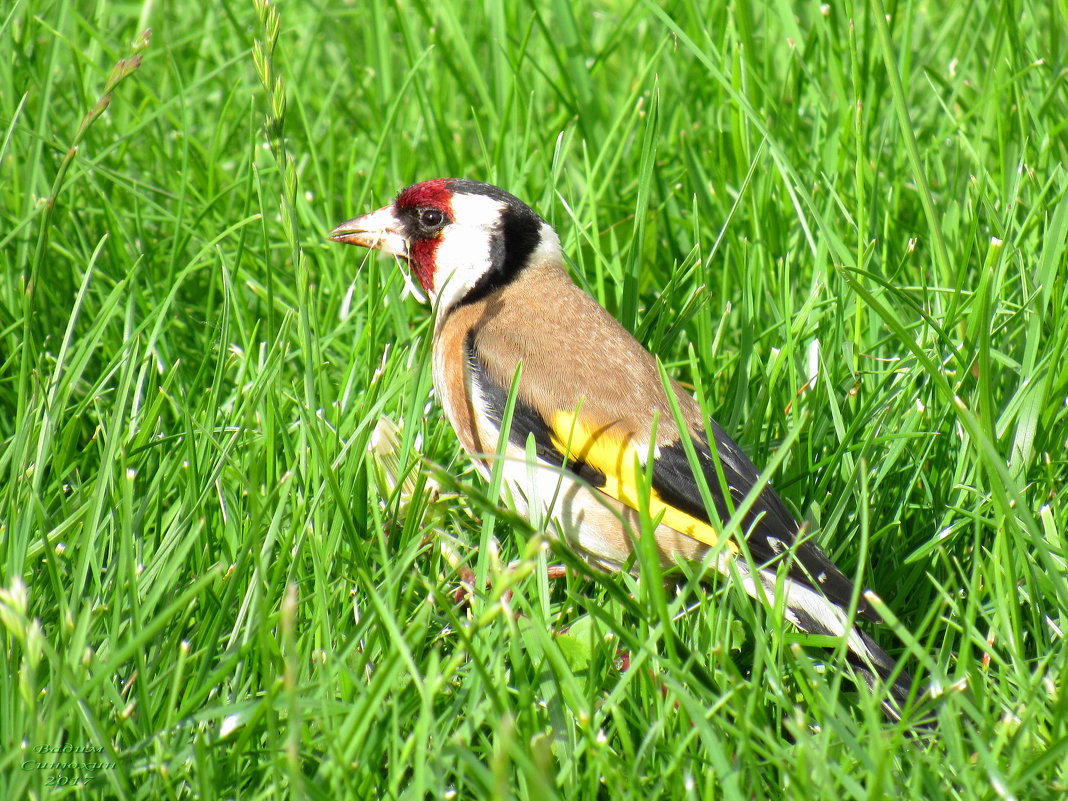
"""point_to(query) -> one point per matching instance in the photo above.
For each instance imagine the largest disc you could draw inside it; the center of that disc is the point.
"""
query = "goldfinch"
(591, 400)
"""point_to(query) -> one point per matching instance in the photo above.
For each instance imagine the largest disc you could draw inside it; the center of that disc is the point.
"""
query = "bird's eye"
(431, 218)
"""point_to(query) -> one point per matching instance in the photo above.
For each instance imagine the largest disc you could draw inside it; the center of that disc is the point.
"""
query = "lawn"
(242, 553)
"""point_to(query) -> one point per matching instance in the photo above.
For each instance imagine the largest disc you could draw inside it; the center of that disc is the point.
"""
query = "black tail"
(876, 668)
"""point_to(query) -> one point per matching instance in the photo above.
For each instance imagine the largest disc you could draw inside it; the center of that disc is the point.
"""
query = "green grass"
(205, 574)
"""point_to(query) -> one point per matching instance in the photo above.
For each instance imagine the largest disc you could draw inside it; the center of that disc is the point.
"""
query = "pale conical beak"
(379, 230)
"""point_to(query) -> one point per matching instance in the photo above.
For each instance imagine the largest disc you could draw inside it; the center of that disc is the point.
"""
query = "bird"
(592, 407)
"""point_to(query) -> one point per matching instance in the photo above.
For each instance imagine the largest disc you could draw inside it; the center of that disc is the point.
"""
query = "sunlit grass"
(846, 237)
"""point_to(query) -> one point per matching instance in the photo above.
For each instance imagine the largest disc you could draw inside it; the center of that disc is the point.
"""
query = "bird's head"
(462, 239)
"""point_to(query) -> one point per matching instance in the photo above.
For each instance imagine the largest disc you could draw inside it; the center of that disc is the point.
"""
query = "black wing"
(770, 530)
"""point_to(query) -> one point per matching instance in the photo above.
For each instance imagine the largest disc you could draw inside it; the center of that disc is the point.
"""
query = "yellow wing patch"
(618, 460)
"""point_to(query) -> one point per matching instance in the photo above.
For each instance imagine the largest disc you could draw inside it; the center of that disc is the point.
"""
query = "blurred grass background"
(844, 224)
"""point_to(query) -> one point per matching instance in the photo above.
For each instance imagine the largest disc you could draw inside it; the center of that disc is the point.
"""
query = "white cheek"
(463, 255)
(461, 258)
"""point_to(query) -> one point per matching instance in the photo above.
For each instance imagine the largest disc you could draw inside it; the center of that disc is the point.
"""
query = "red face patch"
(421, 253)
(434, 193)
(421, 259)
